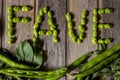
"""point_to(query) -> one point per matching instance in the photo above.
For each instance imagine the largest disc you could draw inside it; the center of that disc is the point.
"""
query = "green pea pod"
(11, 62)
(80, 60)
(102, 64)
(100, 57)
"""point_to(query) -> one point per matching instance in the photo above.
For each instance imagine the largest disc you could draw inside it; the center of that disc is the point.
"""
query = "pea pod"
(100, 57)
(13, 63)
(103, 63)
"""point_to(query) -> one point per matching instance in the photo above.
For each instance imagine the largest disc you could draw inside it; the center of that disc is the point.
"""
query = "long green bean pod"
(100, 57)
(13, 63)
(102, 64)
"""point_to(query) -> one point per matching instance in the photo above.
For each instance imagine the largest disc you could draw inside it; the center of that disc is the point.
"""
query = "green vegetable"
(16, 8)
(26, 8)
(52, 27)
(10, 10)
(95, 18)
(81, 36)
(50, 21)
(95, 33)
(10, 18)
(70, 25)
(68, 17)
(108, 10)
(10, 25)
(10, 33)
(101, 11)
(81, 28)
(101, 25)
(50, 15)
(41, 13)
(107, 26)
(36, 25)
(42, 32)
(34, 39)
(26, 52)
(55, 39)
(45, 10)
(16, 19)
(25, 20)
(95, 11)
(101, 57)
(95, 26)
(83, 21)
(49, 32)
(107, 41)
(101, 41)
(84, 14)
(79, 41)
(94, 40)
(39, 19)
(103, 63)
(55, 33)
(11, 40)
(35, 33)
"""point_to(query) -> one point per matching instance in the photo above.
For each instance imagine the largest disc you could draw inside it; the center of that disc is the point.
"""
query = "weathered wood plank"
(1, 21)
(23, 31)
(112, 18)
(55, 52)
(75, 50)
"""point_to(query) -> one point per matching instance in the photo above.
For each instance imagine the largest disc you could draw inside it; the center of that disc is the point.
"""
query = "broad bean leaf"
(26, 52)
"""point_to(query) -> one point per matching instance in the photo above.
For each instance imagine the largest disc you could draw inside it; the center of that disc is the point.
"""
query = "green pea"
(79, 40)
(34, 39)
(70, 25)
(35, 33)
(10, 18)
(95, 26)
(101, 25)
(84, 14)
(107, 41)
(107, 26)
(25, 20)
(45, 10)
(95, 18)
(10, 26)
(94, 40)
(39, 19)
(49, 32)
(71, 33)
(101, 11)
(55, 33)
(50, 21)
(10, 10)
(36, 25)
(52, 27)
(26, 8)
(74, 39)
(10, 33)
(95, 33)
(11, 40)
(41, 13)
(55, 39)
(81, 28)
(81, 36)
(108, 10)
(16, 19)
(95, 11)
(83, 21)
(16, 8)
(42, 32)
(50, 15)
(101, 41)
(68, 17)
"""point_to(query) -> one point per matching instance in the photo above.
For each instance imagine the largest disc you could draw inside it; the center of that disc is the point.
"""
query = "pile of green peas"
(12, 20)
(81, 27)
(98, 25)
(52, 31)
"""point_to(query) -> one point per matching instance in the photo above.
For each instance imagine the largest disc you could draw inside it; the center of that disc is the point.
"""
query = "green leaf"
(27, 53)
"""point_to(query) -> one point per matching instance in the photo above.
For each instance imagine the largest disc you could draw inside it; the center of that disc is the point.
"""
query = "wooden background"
(65, 51)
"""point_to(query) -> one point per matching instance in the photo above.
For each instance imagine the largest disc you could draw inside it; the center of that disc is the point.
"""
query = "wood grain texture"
(113, 18)
(1, 21)
(75, 50)
(22, 31)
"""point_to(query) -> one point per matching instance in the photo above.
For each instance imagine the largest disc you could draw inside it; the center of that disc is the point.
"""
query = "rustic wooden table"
(65, 51)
